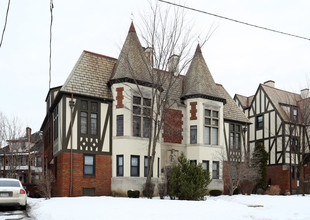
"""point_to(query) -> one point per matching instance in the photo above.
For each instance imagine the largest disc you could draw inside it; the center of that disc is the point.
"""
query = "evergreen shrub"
(133, 193)
(188, 181)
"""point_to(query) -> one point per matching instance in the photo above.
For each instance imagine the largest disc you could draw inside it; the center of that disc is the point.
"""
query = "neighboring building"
(110, 127)
(15, 157)
(280, 121)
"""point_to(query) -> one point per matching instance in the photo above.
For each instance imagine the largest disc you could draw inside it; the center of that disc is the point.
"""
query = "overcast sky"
(239, 57)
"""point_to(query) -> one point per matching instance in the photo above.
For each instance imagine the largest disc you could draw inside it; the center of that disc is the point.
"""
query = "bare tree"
(44, 184)
(169, 39)
(11, 142)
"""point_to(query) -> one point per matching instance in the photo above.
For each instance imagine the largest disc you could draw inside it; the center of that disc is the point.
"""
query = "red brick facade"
(173, 126)
(193, 111)
(120, 97)
(101, 181)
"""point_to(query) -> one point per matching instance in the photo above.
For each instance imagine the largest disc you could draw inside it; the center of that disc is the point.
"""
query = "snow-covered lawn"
(222, 207)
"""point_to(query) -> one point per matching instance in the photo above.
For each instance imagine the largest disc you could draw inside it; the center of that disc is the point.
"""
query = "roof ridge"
(282, 90)
(98, 54)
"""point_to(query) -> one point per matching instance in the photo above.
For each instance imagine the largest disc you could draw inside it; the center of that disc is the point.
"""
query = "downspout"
(71, 104)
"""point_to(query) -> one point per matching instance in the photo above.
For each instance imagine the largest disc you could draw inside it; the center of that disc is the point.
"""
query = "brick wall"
(193, 111)
(101, 181)
(120, 97)
(280, 175)
(173, 126)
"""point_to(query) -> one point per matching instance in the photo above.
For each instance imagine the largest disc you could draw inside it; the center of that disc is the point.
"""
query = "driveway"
(13, 213)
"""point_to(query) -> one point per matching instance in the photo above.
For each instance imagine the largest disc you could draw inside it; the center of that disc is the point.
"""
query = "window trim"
(138, 166)
(142, 115)
(119, 125)
(216, 171)
(192, 138)
(89, 111)
(93, 165)
(119, 166)
(259, 125)
(213, 116)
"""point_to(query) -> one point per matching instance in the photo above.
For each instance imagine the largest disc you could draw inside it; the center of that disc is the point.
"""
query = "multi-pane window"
(205, 165)
(120, 165)
(146, 166)
(134, 166)
(119, 125)
(89, 165)
(259, 121)
(193, 134)
(89, 118)
(55, 123)
(234, 136)
(211, 127)
(215, 170)
(141, 116)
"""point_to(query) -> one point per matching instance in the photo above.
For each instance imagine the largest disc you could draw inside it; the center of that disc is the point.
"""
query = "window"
(234, 136)
(193, 162)
(205, 165)
(120, 165)
(293, 172)
(193, 134)
(119, 125)
(145, 166)
(211, 127)
(88, 191)
(259, 121)
(89, 118)
(215, 170)
(158, 160)
(295, 114)
(295, 145)
(55, 123)
(89, 165)
(141, 116)
(134, 166)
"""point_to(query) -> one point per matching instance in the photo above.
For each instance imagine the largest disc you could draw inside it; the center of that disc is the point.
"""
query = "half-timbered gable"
(277, 123)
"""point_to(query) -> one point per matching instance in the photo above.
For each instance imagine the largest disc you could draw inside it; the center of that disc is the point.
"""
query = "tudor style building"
(280, 121)
(110, 100)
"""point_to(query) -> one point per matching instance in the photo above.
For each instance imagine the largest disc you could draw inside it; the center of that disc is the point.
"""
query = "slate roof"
(198, 79)
(231, 110)
(132, 62)
(278, 97)
(245, 101)
(90, 76)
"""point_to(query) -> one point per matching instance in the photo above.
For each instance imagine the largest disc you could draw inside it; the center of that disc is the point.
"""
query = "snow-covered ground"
(222, 207)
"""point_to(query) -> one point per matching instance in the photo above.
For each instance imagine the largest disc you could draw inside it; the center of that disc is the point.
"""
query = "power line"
(237, 21)
(6, 19)
(50, 46)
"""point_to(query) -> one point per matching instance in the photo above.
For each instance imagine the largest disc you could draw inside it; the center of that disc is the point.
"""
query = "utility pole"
(28, 132)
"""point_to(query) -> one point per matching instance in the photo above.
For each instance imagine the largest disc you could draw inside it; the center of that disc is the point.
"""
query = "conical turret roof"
(199, 82)
(132, 63)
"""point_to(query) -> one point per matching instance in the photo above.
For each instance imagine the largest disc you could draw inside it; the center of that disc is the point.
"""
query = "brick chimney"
(270, 83)
(304, 93)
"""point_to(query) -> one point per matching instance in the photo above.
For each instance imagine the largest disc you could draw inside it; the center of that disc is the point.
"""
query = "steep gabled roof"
(280, 97)
(244, 101)
(90, 76)
(231, 110)
(132, 62)
(199, 81)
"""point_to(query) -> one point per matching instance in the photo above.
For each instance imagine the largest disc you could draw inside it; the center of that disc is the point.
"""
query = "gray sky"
(239, 57)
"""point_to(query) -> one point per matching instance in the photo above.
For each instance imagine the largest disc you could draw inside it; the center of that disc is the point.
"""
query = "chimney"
(304, 93)
(149, 54)
(270, 83)
(173, 64)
